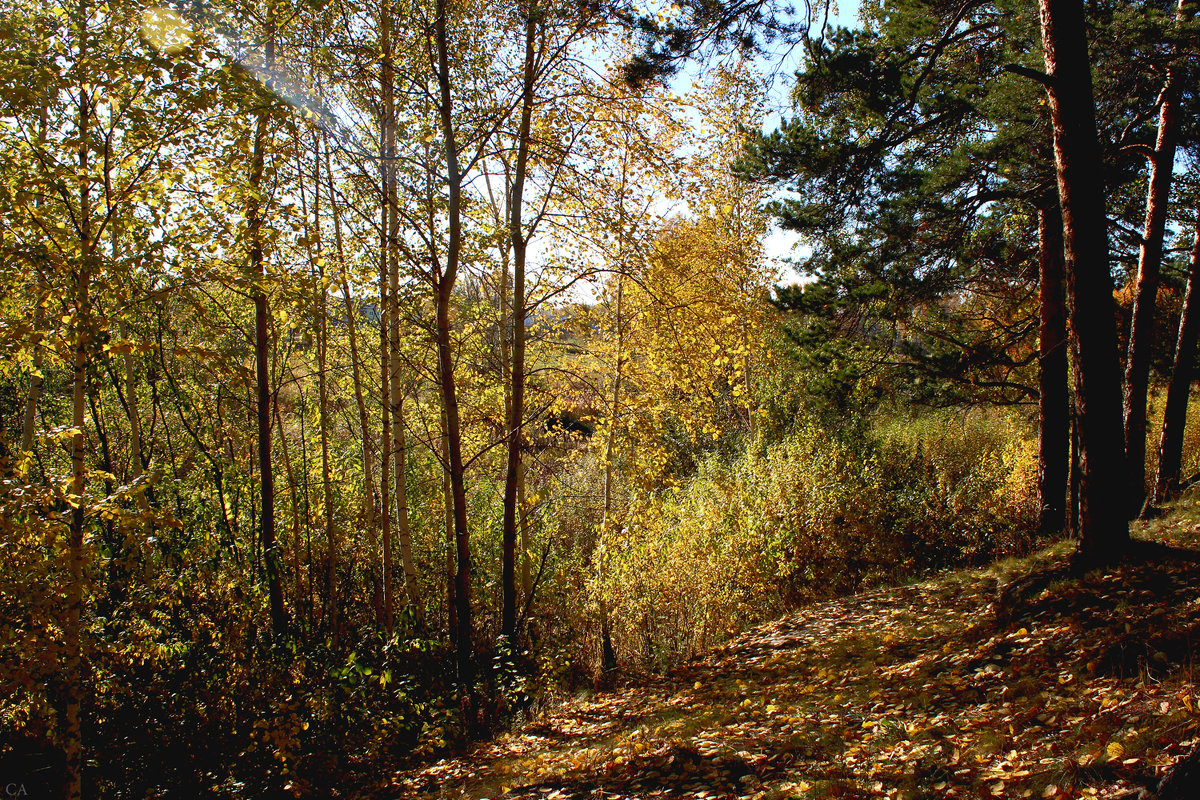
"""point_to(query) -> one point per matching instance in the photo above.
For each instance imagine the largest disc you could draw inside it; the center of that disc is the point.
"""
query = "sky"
(779, 245)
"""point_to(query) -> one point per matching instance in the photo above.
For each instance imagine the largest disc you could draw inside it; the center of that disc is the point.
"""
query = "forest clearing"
(375, 377)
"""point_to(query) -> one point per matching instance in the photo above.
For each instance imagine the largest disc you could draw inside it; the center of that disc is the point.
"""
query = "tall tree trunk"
(258, 268)
(403, 527)
(304, 477)
(448, 524)
(305, 620)
(444, 293)
(1141, 332)
(1053, 395)
(1104, 529)
(608, 654)
(1170, 446)
(396, 386)
(331, 603)
(370, 496)
(386, 162)
(516, 406)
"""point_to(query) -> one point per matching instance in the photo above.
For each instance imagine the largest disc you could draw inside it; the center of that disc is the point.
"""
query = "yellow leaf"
(1115, 750)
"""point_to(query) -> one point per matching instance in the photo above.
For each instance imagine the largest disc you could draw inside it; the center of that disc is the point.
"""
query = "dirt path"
(914, 692)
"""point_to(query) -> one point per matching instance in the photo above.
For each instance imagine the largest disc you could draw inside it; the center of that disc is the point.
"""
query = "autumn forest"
(382, 379)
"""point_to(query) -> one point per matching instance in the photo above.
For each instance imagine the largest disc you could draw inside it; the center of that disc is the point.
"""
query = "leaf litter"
(1084, 690)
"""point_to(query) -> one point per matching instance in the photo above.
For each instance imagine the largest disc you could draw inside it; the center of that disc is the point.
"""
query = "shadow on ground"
(1083, 688)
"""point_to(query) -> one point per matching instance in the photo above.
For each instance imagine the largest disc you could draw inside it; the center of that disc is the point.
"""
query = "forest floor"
(1083, 689)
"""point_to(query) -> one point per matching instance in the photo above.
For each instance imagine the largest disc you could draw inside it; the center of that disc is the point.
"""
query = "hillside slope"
(1083, 689)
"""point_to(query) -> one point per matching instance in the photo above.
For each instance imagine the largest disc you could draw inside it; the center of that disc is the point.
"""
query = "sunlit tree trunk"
(526, 557)
(331, 589)
(608, 654)
(1170, 445)
(1141, 332)
(387, 142)
(1103, 526)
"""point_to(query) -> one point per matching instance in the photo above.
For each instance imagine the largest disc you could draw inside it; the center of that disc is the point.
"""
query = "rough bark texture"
(1103, 526)
(1054, 410)
(1141, 331)
(1170, 445)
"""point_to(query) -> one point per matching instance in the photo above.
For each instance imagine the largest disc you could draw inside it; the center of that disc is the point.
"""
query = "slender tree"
(445, 273)
(1170, 445)
(1141, 332)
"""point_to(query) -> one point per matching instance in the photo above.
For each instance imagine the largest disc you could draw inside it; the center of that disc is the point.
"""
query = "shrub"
(810, 516)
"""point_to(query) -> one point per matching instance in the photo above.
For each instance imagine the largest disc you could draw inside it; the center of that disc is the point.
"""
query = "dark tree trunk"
(1053, 395)
(445, 288)
(1170, 446)
(258, 269)
(516, 407)
(1141, 331)
(1103, 525)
